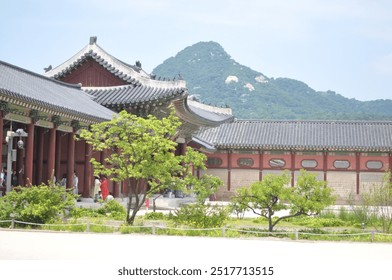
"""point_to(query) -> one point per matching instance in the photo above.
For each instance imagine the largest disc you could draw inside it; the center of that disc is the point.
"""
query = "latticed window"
(374, 164)
(309, 163)
(246, 162)
(341, 164)
(277, 163)
(214, 161)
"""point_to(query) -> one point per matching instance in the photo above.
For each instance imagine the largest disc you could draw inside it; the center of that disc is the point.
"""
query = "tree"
(272, 194)
(375, 206)
(142, 154)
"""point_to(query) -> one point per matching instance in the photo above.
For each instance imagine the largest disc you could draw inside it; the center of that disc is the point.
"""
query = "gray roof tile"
(301, 135)
(48, 93)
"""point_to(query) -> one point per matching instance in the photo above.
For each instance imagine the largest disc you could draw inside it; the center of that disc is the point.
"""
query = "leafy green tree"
(375, 206)
(273, 194)
(37, 204)
(142, 154)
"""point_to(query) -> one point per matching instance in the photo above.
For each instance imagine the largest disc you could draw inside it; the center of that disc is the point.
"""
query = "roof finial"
(93, 40)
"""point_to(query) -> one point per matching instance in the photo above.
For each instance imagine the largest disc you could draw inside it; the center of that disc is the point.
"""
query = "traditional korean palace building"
(88, 88)
(351, 156)
(93, 85)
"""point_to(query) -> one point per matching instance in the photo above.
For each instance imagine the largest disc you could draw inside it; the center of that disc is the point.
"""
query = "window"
(309, 163)
(374, 164)
(276, 163)
(214, 161)
(246, 162)
(341, 164)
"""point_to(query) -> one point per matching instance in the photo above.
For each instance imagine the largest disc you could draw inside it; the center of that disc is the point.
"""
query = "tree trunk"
(270, 224)
(135, 191)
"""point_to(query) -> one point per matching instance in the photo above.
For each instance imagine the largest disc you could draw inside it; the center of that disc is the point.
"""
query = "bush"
(155, 216)
(37, 204)
(113, 209)
(201, 216)
(318, 222)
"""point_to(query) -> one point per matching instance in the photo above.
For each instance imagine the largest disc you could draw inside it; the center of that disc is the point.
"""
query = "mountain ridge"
(214, 78)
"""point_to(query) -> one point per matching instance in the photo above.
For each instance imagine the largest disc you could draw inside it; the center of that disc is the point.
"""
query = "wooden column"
(292, 168)
(229, 170)
(51, 153)
(57, 165)
(261, 166)
(88, 176)
(40, 156)
(358, 169)
(116, 189)
(325, 165)
(29, 154)
(183, 148)
(1, 139)
(70, 160)
(390, 162)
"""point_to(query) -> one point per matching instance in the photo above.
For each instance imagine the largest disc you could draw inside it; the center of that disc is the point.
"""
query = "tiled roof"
(211, 113)
(129, 95)
(46, 93)
(128, 73)
(301, 135)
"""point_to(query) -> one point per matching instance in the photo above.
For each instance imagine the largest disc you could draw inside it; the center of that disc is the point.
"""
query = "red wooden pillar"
(292, 168)
(51, 153)
(57, 165)
(88, 176)
(40, 156)
(228, 170)
(261, 159)
(358, 169)
(71, 160)
(390, 162)
(116, 189)
(1, 139)
(183, 148)
(325, 165)
(29, 154)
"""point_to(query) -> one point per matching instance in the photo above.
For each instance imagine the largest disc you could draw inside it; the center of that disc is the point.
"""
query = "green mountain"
(213, 77)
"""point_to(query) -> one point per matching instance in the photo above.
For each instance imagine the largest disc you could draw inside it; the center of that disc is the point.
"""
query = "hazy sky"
(339, 45)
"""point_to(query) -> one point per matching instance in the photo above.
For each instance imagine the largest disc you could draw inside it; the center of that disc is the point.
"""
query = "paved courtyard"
(43, 255)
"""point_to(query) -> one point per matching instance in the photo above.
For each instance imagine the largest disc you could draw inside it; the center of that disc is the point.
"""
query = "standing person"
(63, 181)
(97, 188)
(2, 177)
(14, 179)
(75, 184)
(104, 187)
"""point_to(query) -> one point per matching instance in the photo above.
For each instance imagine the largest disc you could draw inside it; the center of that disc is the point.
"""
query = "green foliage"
(201, 216)
(113, 209)
(318, 222)
(37, 204)
(309, 195)
(375, 208)
(206, 65)
(264, 197)
(156, 216)
(143, 154)
(273, 194)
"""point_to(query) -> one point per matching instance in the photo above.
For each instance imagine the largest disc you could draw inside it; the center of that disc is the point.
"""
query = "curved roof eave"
(118, 68)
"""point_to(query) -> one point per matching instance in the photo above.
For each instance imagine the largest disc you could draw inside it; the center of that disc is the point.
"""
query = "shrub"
(201, 216)
(155, 216)
(37, 204)
(318, 222)
(113, 209)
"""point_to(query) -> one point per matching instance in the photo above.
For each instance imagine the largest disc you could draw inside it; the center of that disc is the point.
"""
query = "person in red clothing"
(104, 187)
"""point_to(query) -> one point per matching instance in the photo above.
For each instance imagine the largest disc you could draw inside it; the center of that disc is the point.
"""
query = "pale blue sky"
(339, 45)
